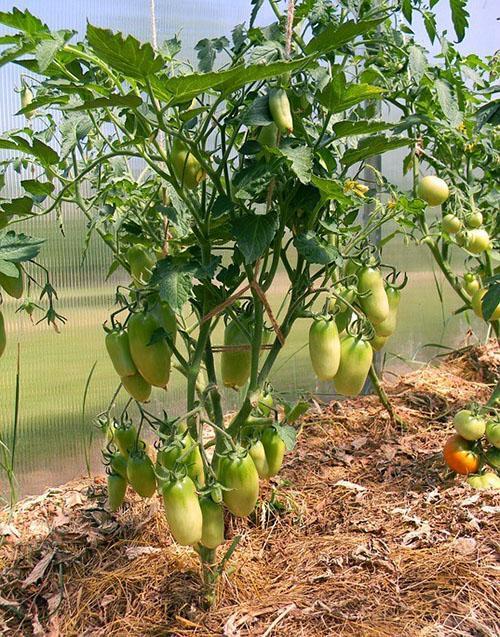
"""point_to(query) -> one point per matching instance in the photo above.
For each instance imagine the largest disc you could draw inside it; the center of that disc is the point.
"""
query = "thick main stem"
(384, 399)
(209, 575)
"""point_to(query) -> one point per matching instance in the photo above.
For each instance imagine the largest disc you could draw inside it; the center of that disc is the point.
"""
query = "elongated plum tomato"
(258, 455)
(118, 349)
(212, 534)
(356, 356)
(141, 264)
(478, 241)
(236, 365)
(324, 348)
(3, 334)
(118, 463)
(451, 224)
(493, 432)
(117, 487)
(137, 387)
(469, 426)
(279, 107)
(275, 450)
(375, 304)
(265, 403)
(140, 474)
(387, 327)
(125, 438)
(474, 219)
(183, 511)
(151, 357)
(187, 168)
(13, 285)
(240, 477)
(378, 342)
(192, 460)
(487, 480)
(477, 305)
(433, 190)
(459, 455)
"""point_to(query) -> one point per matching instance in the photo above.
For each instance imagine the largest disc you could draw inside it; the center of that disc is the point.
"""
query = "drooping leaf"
(460, 17)
(417, 63)
(18, 247)
(174, 277)
(37, 188)
(407, 9)
(371, 146)
(207, 50)
(258, 113)
(314, 249)
(254, 234)
(448, 103)
(488, 114)
(335, 36)
(430, 24)
(257, 4)
(36, 148)
(288, 434)
(19, 206)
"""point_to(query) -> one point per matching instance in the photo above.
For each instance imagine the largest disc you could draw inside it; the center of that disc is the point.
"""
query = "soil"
(365, 532)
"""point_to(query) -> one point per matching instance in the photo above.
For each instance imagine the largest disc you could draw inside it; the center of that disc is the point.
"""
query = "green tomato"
(378, 342)
(152, 359)
(125, 437)
(275, 450)
(265, 403)
(240, 477)
(118, 462)
(388, 326)
(375, 304)
(469, 426)
(493, 457)
(212, 534)
(27, 98)
(141, 474)
(137, 387)
(268, 137)
(169, 456)
(493, 433)
(117, 487)
(474, 219)
(183, 511)
(356, 356)
(118, 349)
(478, 241)
(167, 319)
(433, 190)
(488, 480)
(258, 455)
(13, 285)
(471, 283)
(279, 107)
(187, 168)
(342, 320)
(3, 334)
(141, 264)
(236, 365)
(324, 348)
(451, 224)
(477, 305)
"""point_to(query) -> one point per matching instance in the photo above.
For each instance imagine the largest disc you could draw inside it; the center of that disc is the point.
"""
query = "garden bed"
(364, 533)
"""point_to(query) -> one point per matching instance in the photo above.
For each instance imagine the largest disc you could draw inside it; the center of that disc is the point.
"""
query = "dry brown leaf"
(39, 569)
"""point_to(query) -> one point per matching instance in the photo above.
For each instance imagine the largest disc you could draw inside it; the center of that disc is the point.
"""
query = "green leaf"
(294, 413)
(252, 180)
(488, 114)
(72, 129)
(8, 268)
(258, 113)
(331, 190)
(174, 277)
(37, 148)
(371, 146)
(257, 4)
(314, 250)
(127, 55)
(37, 188)
(491, 300)
(20, 206)
(362, 127)
(417, 63)
(254, 234)
(46, 50)
(407, 8)
(18, 247)
(448, 103)
(300, 159)
(266, 53)
(430, 24)
(207, 51)
(288, 434)
(23, 21)
(335, 36)
(460, 17)
(131, 100)
(337, 99)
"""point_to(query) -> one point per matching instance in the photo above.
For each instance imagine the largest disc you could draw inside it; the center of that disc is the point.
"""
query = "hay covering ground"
(365, 533)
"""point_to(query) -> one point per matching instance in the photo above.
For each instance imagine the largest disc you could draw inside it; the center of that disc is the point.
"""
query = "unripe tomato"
(13, 285)
(471, 283)
(212, 534)
(183, 511)
(279, 106)
(488, 480)
(141, 474)
(324, 348)
(236, 365)
(151, 359)
(461, 238)
(137, 387)
(477, 305)
(493, 457)
(433, 190)
(3, 335)
(258, 455)
(26, 99)
(469, 426)
(117, 487)
(187, 168)
(356, 356)
(451, 224)
(141, 264)
(375, 304)
(118, 349)
(493, 432)
(125, 437)
(478, 241)
(265, 403)
(275, 450)
(378, 342)
(193, 461)
(387, 327)
(239, 475)
(342, 320)
(459, 455)
(118, 462)
(474, 219)
(268, 135)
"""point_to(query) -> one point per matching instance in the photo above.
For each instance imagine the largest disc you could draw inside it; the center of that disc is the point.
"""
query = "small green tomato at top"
(468, 425)
(433, 190)
(451, 224)
(474, 219)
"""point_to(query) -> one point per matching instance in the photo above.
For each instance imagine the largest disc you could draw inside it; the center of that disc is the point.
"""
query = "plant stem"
(384, 399)
(209, 575)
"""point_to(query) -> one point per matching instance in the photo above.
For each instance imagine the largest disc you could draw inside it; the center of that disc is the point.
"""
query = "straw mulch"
(365, 533)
